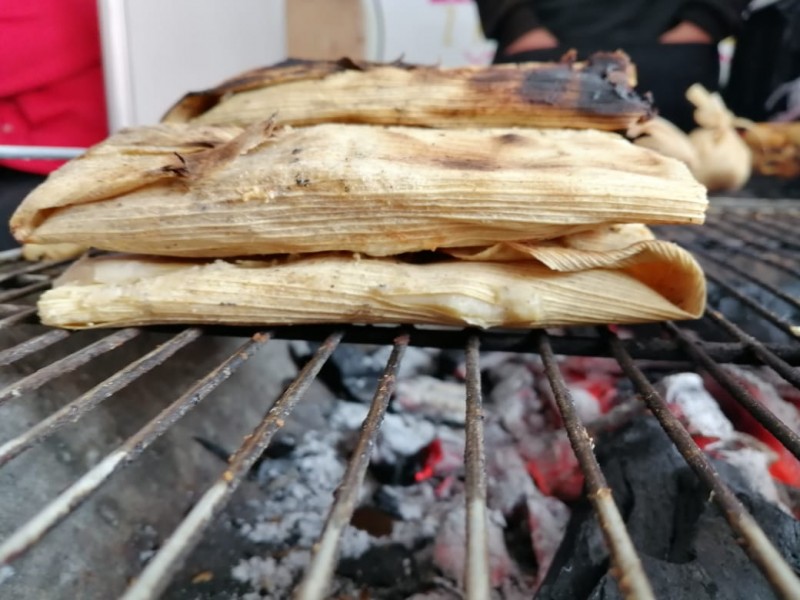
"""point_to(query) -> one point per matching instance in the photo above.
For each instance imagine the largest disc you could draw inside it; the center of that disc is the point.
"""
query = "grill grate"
(744, 249)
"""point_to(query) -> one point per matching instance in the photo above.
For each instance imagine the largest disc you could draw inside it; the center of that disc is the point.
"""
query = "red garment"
(51, 78)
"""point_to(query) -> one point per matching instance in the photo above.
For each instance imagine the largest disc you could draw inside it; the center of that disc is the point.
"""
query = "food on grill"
(595, 94)
(775, 148)
(597, 278)
(207, 191)
(714, 151)
(66, 251)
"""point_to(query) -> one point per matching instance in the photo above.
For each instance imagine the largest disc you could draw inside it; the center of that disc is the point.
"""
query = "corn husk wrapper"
(594, 94)
(596, 278)
(37, 252)
(202, 191)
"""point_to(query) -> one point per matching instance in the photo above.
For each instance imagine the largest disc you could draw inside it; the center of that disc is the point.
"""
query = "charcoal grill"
(745, 248)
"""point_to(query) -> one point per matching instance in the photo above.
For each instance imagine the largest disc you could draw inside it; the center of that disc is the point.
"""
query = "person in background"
(51, 89)
(672, 43)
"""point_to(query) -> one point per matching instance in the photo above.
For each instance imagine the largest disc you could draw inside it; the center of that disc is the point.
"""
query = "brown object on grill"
(775, 148)
(593, 94)
(566, 282)
(203, 191)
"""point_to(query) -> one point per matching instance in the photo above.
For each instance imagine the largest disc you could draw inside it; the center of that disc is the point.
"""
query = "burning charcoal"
(786, 468)
(514, 397)
(392, 565)
(450, 547)
(685, 544)
(511, 489)
(551, 462)
(352, 372)
(437, 399)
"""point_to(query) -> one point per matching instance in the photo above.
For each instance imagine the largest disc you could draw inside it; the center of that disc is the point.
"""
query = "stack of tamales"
(363, 193)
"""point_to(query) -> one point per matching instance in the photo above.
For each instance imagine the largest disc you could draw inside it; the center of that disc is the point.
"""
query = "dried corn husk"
(37, 252)
(775, 148)
(556, 285)
(595, 94)
(724, 161)
(189, 191)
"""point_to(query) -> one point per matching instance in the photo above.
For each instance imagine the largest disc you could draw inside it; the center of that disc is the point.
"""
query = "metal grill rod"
(32, 268)
(478, 583)
(738, 235)
(323, 560)
(67, 364)
(11, 355)
(65, 503)
(25, 290)
(22, 312)
(103, 390)
(628, 571)
(779, 322)
(727, 266)
(781, 367)
(776, 263)
(773, 424)
(755, 542)
(156, 576)
(759, 229)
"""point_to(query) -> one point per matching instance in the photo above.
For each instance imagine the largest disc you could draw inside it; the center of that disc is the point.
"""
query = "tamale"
(202, 191)
(556, 284)
(593, 94)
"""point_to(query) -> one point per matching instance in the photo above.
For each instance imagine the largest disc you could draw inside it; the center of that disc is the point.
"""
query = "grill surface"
(751, 253)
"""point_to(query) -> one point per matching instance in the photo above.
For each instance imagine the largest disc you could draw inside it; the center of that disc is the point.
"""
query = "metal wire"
(67, 364)
(752, 538)
(627, 568)
(63, 505)
(11, 355)
(323, 560)
(83, 404)
(478, 583)
(167, 560)
(772, 423)
(781, 367)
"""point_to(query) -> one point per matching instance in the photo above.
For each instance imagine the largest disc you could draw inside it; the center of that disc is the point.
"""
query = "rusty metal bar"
(725, 265)
(729, 246)
(780, 366)
(11, 355)
(323, 560)
(16, 317)
(25, 290)
(761, 230)
(478, 582)
(776, 320)
(32, 268)
(520, 340)
(24, 538)
(752, 538)
(86, 402)
(627, 568)
(763, 415)
(156, 576)
(67, 364)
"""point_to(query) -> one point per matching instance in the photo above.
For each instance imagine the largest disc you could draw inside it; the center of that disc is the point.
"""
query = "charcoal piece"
(685, 544)
(392, 565)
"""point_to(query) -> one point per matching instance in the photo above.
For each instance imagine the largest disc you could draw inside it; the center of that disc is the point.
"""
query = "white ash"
(416, 361)
(399, 435)
(768, 395)
(434, 398)
(6, 573)
(449, 550)
(275, 577)
(699, 412)
(298, 492)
